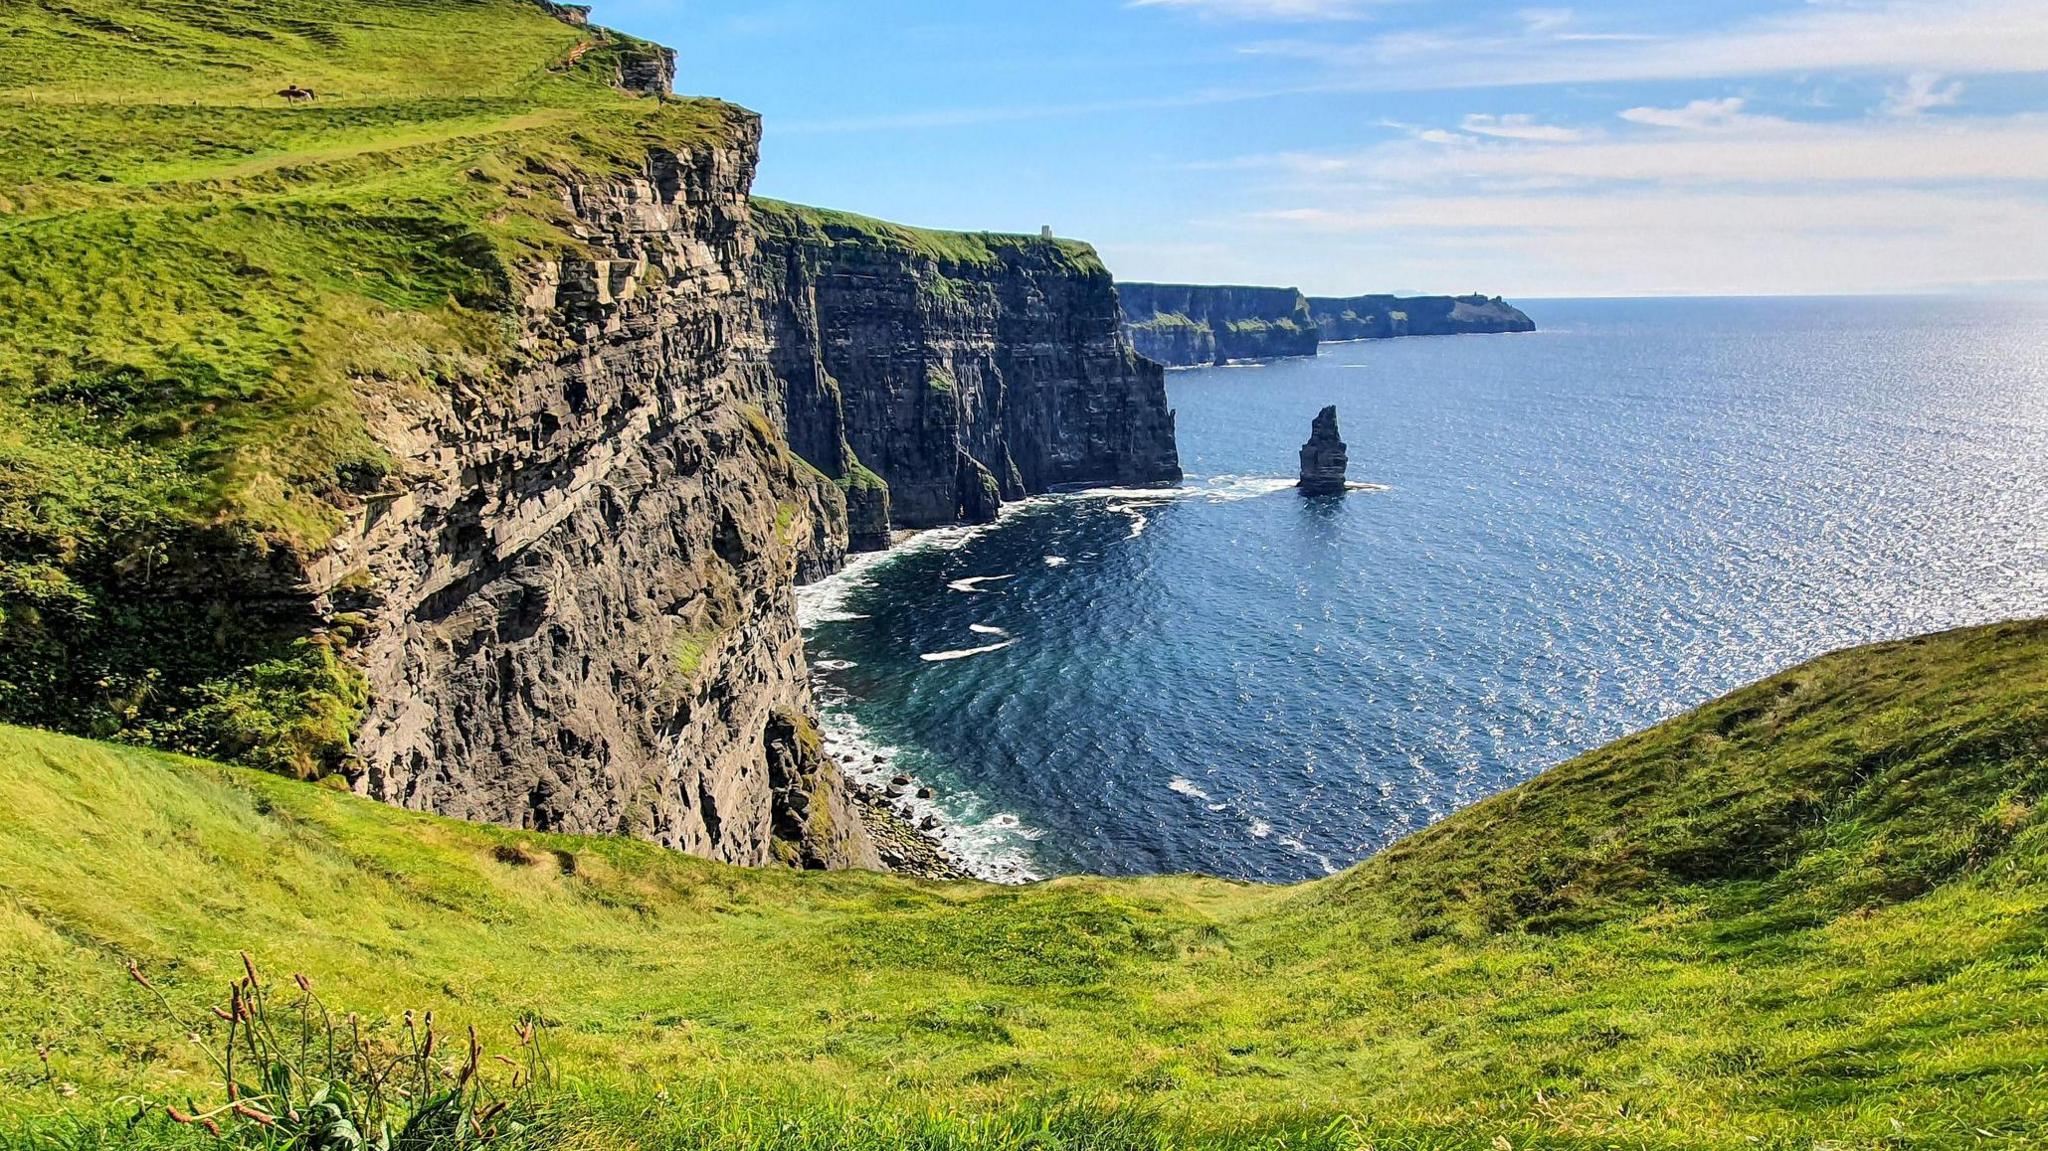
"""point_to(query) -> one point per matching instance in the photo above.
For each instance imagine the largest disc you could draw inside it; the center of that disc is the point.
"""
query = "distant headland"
(1188, 325)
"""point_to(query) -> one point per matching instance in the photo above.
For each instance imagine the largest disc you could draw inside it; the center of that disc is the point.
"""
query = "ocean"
(1574, 534)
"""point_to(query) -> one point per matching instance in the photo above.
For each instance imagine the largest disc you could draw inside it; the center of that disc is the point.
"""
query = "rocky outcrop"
(1185, 325)
(1386, 317)
(579, 611)
(934, 375)
(1324, 459)
(1181, 325)
(645, 68)
(574, 15)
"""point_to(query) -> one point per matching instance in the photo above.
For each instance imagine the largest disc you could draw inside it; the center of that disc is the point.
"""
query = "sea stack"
(1323, 458)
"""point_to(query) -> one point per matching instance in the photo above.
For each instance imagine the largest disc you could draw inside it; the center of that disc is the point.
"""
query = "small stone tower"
(1323, 457)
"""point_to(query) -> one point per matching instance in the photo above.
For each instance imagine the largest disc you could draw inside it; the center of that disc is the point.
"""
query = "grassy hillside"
(1812, 914)
(199, 285)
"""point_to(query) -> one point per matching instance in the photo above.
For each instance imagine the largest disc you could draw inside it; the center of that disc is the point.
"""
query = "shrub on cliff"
(296, 715)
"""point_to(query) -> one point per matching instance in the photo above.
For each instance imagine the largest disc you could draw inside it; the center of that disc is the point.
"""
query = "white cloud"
(1699, 115)
(1541, 20)
(1921, 91)
(1704, 198)
(1289, 10)
(1823, 211)
(1953, 37)
(1655, 241)
(1519, 126)
(1742, 150)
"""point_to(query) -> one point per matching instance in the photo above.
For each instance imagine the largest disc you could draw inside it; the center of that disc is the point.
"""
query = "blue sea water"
(1583, 531)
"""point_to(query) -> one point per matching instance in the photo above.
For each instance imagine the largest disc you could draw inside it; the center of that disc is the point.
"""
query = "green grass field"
(1812, 914)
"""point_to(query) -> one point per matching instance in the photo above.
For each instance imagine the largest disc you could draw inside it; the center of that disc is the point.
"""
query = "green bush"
(295, 715)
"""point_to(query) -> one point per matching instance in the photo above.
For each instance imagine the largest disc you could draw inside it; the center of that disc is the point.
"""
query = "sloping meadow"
(1809, 913)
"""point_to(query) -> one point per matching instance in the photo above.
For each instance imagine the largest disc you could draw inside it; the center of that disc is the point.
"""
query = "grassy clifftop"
(196, 277)
(949, 250)
(1810, 914)
(200, 285)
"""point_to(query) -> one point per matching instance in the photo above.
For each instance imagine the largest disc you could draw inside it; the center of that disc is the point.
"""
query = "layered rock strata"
(580, 611)
(1184, 325)
(935, 375)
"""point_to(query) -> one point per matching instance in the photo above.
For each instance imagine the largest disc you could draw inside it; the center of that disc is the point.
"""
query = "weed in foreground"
(295, 1077)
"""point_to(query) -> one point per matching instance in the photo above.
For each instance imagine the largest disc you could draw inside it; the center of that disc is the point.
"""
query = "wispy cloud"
(1741, 150)
(1916, 37)
(1519, 126)
(1921, 91)
(1959, 37)
(1276, 10)
(1704, 197)
(1698, 115)
(1654, 241)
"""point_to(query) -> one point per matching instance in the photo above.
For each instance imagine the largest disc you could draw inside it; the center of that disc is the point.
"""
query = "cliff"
(455, 466)
(1385, 317)
(955, 370)
(444, 465)
(581, 608)
(1183, 325)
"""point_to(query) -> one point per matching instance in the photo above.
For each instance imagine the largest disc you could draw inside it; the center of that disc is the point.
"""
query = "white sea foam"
(825, 600)
(1226, 488)
(990, 848)
(1261, 829)
(985, 629)
(1187, 787)
(1328, 867)
(973, 583)
(963, 653)
(833, 664)
(1215, 489)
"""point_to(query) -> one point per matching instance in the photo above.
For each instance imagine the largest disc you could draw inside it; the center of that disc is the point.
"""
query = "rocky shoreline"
(905, 848)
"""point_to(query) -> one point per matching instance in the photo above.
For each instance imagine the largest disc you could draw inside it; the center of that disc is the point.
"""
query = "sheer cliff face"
(1184, 325)
(581, 611)
(962, 370)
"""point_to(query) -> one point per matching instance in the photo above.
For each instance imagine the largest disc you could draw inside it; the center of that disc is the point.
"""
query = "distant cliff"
(934, 375)
(1384, 317)
(1184, 325)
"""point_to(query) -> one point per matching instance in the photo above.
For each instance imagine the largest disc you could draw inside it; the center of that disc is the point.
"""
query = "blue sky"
(1342, 146)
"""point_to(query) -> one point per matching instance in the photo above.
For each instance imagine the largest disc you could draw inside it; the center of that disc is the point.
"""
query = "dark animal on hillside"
(295, 94)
